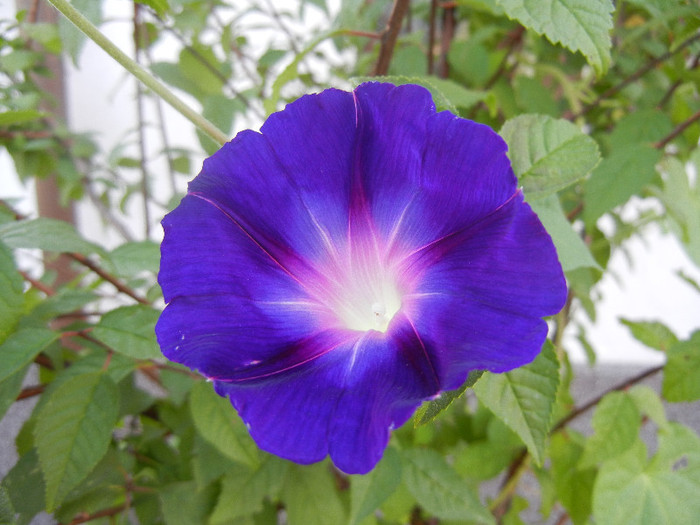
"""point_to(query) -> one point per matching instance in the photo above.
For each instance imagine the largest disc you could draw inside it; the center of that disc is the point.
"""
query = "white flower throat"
(368, 302)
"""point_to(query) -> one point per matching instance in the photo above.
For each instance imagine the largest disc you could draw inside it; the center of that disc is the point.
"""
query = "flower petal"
(344, 403)
(235, 338)
(465, 176)
(388, 379)
(388, 158)
(303, 155)
(482, 292)
(204, 253)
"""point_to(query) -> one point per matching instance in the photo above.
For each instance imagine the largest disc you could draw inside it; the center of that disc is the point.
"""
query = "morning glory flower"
(357, 256)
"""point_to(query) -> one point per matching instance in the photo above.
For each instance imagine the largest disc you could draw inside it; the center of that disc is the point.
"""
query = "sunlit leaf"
(217, 422)
(580, 25)
(616, 423)
(73, 431)
(46, 234)
(682, 371)
(548, 154)
(572, 251)
(630, 490)
(310, 496)
(439, 489)
(368, 492)
(129, 331)
(524, 398)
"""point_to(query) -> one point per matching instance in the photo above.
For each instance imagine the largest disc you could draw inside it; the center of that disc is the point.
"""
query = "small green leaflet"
(217, 422)
(524, 398)
(572, 251)
(243, 490)
(310, 496)
(682, 371)
(432, 409)
(653, 334)
(129, 331)
(183, 504)
(73, 430)
(579, 25)
(439, 489)
(22, 347)
(630, 490)
(369, 491)
(46, 234)
(616, 423)
(12, 296)
(447, 94)
(548, 154)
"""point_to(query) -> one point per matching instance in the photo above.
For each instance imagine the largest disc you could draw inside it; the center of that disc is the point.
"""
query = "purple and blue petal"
(359, 255)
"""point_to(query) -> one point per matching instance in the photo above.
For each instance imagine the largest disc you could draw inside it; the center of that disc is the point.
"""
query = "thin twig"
(576, 412)
(390, 36)
(108, 277)
(636, 75)
(104, 513)
(30, 391)
(36, 284)
(677, 130)
(431, 36)
(446, 36)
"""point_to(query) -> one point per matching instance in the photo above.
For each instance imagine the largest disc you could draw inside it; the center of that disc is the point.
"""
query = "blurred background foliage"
(599, 104)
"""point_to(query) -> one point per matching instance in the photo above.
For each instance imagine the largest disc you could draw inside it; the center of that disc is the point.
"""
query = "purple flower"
(359, 255)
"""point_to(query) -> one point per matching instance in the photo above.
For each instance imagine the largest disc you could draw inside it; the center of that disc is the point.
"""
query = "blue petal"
(483, 291)
(344, 403)
(288, 187)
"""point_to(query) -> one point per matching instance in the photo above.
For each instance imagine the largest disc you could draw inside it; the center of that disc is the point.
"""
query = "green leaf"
(548, 154)
(682, 371)
(572, 484)
(629, 490)
(46, 234)
(649, 404)
(73, 430)
(291, 71)
(7, 511)
(310, 496)
(579, 25)
(10, 387)
(72, 38)
(572, 251)
(617, 178)
(208, 464)
(129, 330)
(25, 487)
(244, 490)
(653, 334)
(12, 296)
(368, 492)
(131, 258)
(183, 504)
(217, 422)
(682, 202)
(161, 7)
(439, 489)
(19, 116)
(22, 347)
(447, 94)
(524, 398)
(616, 423)
(429, 410)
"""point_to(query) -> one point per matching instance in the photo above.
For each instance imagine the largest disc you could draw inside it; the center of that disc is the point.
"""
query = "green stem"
(139, 72)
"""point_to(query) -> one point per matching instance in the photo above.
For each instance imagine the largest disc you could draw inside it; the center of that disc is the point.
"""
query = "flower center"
(369, 305)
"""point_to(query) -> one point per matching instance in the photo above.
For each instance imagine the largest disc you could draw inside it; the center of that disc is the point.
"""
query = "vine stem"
(94, 34)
